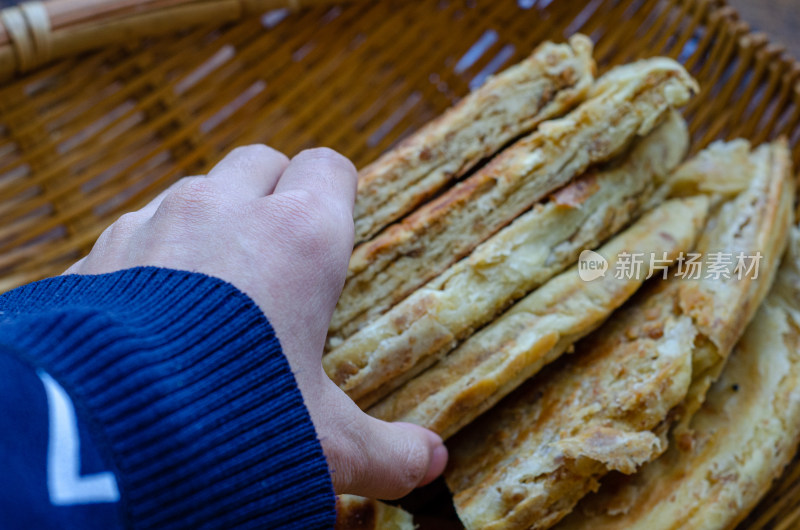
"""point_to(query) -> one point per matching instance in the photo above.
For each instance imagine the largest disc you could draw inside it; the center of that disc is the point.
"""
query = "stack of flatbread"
(541, 278)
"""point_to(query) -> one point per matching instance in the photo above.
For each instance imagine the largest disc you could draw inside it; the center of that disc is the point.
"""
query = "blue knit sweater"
(151, 398)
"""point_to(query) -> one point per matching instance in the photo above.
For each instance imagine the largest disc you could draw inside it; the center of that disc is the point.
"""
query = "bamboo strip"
(36, 32)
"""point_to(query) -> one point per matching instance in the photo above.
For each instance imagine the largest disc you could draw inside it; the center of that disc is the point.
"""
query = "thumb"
(383, 460)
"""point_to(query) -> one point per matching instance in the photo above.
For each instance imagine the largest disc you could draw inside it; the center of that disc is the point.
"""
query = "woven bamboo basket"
(87, 138)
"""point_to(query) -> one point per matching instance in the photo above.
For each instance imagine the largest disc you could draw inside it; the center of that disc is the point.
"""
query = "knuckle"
(195, 194)
(196, 189)
(103, 240)
(260, 153)
(327, 156)
(127, 219)
(124, 226)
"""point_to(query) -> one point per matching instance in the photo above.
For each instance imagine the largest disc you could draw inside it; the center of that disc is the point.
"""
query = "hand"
(282, 232)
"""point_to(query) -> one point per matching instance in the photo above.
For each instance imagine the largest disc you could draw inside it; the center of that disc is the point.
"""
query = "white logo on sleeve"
(64, 482)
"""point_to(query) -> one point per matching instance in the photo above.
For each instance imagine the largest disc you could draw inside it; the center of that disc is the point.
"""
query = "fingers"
(250, 171)
(383, 460)
(324, 174)
(313, 205)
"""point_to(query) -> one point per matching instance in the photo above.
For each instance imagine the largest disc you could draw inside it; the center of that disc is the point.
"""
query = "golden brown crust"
(580, 420)
(472, 378)
(757, 220)
(532, 457)
(411, 336)
(538, 329)
(391, 266)
(359, 513)
(743, 436)
(607, 411)
(552, 80)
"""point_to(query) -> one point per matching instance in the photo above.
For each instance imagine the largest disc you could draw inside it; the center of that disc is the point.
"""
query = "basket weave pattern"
(89, 138)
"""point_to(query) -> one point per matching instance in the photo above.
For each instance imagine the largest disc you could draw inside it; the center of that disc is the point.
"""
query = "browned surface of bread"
(491, 363)
(530, 460)
(757, 220)
(359, 513)
(539, 328)
(742, 437)
(627, 102)
(535, 455)
(552, 80)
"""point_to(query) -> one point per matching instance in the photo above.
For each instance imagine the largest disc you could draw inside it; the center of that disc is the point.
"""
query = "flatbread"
(757, 220)
(359, 513)
(425, 326)
(742, 438)
(539, 328)
(627, 102)
(529, 460)
(552, 80)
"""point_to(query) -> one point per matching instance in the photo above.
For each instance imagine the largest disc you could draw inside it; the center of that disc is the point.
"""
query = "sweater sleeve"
(183, 388)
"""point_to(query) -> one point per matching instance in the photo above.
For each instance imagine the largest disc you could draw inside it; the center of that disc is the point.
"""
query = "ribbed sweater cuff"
(183, 378)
